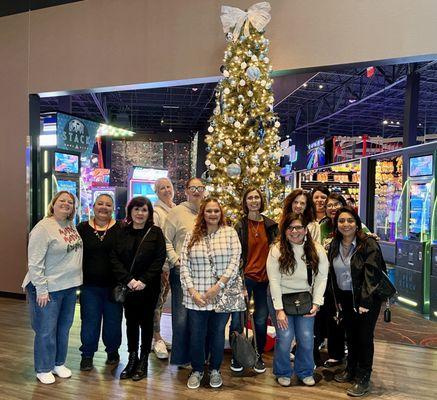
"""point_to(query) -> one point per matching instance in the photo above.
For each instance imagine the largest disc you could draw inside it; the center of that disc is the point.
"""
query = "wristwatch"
(221, 284)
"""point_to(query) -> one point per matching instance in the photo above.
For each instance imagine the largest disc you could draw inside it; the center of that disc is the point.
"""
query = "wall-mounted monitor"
(421, 166)
(67, 185)
(66, 163)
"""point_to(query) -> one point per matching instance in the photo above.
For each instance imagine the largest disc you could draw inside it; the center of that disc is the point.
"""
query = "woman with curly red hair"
(210, 259)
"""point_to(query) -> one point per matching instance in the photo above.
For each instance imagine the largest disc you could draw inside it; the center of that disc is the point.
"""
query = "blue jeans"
(52, 325)
(207, 325)
(259, 290)
(180, 348)
(95, 306)
(303, 329)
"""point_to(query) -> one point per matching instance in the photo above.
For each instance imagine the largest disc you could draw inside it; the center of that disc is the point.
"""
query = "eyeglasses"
(333, 205)
(298, 228)
(194, 189)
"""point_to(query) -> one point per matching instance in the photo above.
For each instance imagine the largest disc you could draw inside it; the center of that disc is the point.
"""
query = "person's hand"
(281, 319)
(198, 299)
(42, 299)
(245, 294)
(313, 311)
(139, 286)
(211, 293)
(362, 310)
(132, 284)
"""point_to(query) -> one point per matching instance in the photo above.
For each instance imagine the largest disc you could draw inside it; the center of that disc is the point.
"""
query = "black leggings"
(139, 309)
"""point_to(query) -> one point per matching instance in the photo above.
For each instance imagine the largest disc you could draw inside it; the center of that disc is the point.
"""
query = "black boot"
(361, 388)
(344, 376)
(141, 370)
(131, 366)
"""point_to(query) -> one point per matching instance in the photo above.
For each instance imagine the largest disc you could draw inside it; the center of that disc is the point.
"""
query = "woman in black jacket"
(356, 263)
(256, 233)
(140, 244)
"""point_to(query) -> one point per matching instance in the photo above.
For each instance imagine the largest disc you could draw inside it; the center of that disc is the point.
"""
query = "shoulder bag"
(299, 303)
(121, 290)
(231, 298)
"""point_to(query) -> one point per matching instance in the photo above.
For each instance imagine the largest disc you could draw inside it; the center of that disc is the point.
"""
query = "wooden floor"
(400, 372)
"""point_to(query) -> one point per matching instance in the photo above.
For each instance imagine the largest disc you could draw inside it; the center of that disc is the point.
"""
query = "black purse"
(385, 290)
(244, 350)
(121, 290)
(299, 303)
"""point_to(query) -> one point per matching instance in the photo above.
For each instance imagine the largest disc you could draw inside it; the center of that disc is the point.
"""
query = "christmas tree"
(243, 142)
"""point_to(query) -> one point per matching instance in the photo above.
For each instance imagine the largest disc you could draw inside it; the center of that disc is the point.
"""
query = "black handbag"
(299, 303)
(385, 290)
(121, 290)
(244, 350)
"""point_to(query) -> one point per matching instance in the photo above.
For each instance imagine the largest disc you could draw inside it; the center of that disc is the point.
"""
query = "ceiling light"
(385, 122)
(320, 86)
(305, 84)
(194, 89)
(170, 130)
(420, 124)
(162, 121)
(398, 123)
(352, 100)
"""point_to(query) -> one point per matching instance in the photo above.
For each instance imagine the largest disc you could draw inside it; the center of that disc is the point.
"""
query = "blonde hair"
(50, 211)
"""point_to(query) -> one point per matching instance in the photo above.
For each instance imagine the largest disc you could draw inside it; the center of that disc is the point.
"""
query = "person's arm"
(274, 277)
(170, 234)
(314, 229)
(234, 259)
(320, 280)
(115, 257)
(372, 273)
(39, 241)
(155, 267)
(186, 279)
(157, 218)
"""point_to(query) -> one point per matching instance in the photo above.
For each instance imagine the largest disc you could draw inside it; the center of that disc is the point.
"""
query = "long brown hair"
(287, 261)
(310, 209)
(200, 229)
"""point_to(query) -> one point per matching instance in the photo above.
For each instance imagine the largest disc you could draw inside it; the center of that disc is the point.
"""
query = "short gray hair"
(157, 183)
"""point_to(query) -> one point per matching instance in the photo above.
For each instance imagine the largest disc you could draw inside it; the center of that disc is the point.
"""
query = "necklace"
(254, 230)
(96, 232)
(346, 250)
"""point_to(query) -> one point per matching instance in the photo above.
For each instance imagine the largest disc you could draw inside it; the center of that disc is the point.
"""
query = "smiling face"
(253, 201)
(299, 204)
(347, 225)
(63, 207)
(164, 190)
(332, 205)
(139, 215)
(103, 208)
(296, 232)
(212, 214)
(319, 199)
(195, 191)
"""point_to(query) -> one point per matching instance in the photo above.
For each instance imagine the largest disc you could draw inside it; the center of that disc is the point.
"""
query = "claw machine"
(413, 228)
(433, 270)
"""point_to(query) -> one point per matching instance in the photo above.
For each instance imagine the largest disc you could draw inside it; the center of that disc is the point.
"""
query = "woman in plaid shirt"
(211, 240)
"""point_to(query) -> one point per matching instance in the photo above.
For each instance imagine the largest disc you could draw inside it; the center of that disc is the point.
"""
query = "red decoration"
(370, 72)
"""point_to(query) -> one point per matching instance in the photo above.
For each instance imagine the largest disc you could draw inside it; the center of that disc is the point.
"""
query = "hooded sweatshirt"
(180, 221)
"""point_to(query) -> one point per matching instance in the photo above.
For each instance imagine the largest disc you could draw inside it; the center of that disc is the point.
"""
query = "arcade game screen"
(421, 166)
(316, 154)
(420, 209)
(66, 163)
(69, 186)
(144, 189)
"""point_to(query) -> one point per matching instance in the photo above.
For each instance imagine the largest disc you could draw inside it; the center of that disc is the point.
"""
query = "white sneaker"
(160, 349)
(62, 371)
(194, 380)
(309, 381)
(45, 377)
(284, 381)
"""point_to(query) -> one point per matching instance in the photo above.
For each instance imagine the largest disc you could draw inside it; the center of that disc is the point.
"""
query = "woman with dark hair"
(334, 201)
(137, 260)
(210, 258)
(319, 195)
(356, 265)
(256, 233)
(296, 264)
(55, 272)
(300, 202)
(97, 311)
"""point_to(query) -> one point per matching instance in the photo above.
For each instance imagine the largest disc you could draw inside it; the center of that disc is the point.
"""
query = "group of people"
(318, 255)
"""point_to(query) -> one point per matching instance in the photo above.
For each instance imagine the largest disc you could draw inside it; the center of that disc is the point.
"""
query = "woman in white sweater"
(297, 268)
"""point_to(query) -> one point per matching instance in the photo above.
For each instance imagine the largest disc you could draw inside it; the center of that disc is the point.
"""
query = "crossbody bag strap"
(138, 249)
(210, 258)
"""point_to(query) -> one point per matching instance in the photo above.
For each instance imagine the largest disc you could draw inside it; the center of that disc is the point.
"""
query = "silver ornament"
(229, 37)
(253, 73)
(233, 170)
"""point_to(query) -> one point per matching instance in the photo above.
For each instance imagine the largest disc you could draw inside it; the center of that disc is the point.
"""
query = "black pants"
(139, 309)
(326, 327)
(359, 335)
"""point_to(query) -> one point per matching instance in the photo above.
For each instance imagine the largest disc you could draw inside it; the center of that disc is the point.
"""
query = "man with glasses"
(180, 221)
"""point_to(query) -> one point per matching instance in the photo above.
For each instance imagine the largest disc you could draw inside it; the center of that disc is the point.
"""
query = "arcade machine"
(413, 230)
(60, 171)
(433, 272)
(141, 182)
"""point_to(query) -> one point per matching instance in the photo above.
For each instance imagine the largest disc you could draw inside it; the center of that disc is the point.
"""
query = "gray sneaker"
(194, 380)
(309, 381)
(215, 379)
(284, 381)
